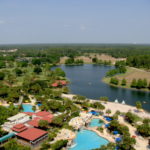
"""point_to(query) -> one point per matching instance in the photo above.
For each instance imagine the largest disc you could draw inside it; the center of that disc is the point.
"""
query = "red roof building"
(59, 83)
(42, 115)
(33, 135)
(34, 123)
(55, 85)
(29, 113)
(19, 127)
(63, 82)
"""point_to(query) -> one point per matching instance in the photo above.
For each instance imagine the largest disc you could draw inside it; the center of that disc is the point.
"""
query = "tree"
(37, 70)
(43, 123)
(145, 83)
(36, 62)
(2, 76)
(133, 83)
(108, 111)
(58, 145)
(94, 60)
(144, 129)
(109, 146)
(120, 63)
(2, 64)
(58, 121)
(98, 105)
(114, 81)
(104, 98)
(127, 143)
(18, 72)
(123, 83)
(69, 61)
(138, 105)
(139, 84)
(148, 86)
(131, 118)
(65, 90)
(13, 145)
(59, 72)
(34, 108)
(24, 63)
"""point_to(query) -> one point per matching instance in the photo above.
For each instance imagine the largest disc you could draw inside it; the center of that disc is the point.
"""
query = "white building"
(19, 118)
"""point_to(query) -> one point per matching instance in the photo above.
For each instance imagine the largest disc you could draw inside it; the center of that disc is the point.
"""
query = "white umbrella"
(123, 102)
(116, 101)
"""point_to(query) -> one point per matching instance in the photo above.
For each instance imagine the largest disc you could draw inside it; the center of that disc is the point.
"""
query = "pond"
(87, 80)
(88, 140)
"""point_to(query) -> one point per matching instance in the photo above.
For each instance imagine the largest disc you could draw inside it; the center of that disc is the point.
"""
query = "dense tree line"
(141, 61)
(72, 61)
(7, 112)
(97, 61)
(140, 83)
(120, 68)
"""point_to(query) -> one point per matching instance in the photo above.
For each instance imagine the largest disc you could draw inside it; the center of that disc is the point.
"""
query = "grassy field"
(132, 73)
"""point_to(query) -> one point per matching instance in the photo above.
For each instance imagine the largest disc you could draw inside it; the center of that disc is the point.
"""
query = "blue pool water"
(95, 123)
(27, 108)
(88, 140)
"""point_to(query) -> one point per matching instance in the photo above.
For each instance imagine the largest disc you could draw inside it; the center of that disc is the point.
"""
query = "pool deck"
(105, 134)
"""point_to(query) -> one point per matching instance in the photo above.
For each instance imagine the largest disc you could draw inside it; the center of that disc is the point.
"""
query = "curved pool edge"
(91, 130)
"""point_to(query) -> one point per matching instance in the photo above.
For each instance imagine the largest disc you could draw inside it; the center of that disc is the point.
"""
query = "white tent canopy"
(116, 100)
(123, 102)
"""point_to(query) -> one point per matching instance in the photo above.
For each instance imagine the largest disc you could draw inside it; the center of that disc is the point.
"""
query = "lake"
(86, 80)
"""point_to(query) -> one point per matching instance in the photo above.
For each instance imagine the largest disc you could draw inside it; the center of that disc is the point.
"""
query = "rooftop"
(16, 117)
(32, 134)
(19, 127)
(44, 113)
(34, 123)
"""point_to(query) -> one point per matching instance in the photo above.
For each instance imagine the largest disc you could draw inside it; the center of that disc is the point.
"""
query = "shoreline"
(105, 78)
(116, 106)
(123, 87)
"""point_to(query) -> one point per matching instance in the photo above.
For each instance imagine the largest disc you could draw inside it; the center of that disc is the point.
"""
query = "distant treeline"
(115, 50)
(137, 55)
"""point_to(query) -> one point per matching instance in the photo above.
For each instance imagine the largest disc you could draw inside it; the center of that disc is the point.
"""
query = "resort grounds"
(142, 143)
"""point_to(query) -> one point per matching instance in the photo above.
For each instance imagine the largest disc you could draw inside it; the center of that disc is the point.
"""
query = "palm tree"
(108, 111)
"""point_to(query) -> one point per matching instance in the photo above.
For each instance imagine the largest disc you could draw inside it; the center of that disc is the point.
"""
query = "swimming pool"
(27, 108)
(88, 140)
(95, 123)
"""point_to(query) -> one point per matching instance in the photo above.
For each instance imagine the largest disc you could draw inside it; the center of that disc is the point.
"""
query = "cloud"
(82, 27)
(2, 22)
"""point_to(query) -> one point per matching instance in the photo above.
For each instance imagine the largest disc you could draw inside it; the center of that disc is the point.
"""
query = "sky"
(74, 21)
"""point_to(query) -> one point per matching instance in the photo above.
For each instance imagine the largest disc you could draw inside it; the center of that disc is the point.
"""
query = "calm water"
(88, 140)
(95, 123)
(86, 80)
(27, 108)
